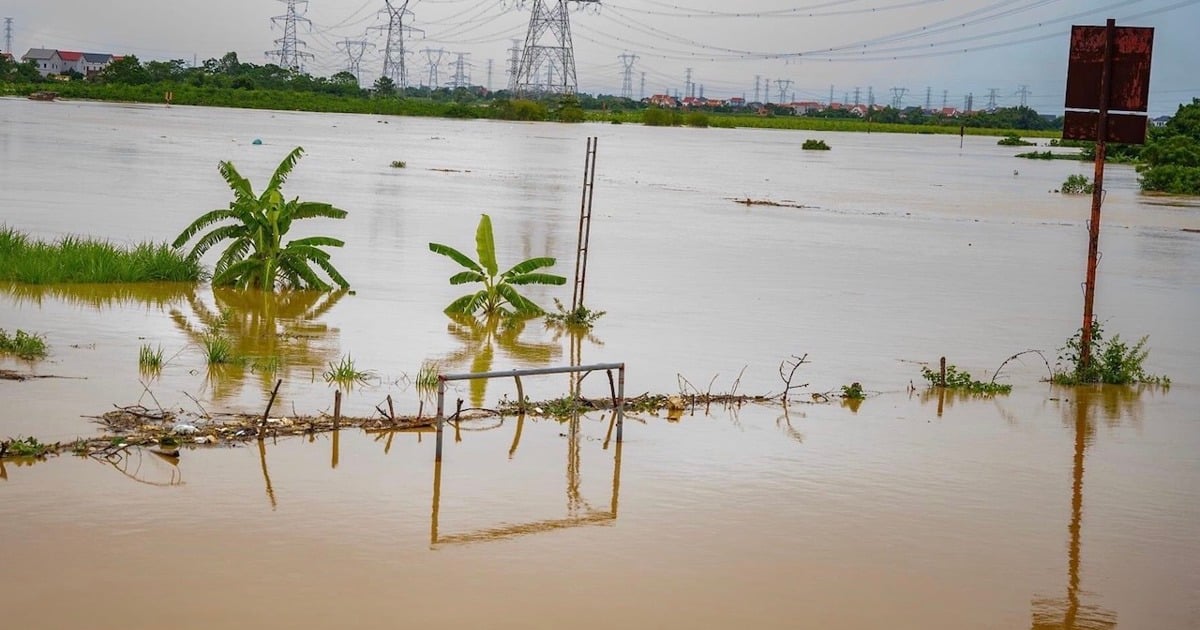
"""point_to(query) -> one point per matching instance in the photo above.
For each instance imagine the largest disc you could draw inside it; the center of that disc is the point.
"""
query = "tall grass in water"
(345, 374)
(150, 360)
(81, 260)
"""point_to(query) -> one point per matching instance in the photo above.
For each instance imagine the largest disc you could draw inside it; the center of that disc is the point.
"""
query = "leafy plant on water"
(853, 391)
(1113, 362)
(582, 317)
(22, 344)
(266, 365)
(26, 447)
(1014, 140)
(257, 257)
(346, 374)
(815, 145)
(961, 380)
(498, 295)
(399, 164)
(1077, 184)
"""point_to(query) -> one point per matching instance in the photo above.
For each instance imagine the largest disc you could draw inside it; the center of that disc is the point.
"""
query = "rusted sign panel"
(1123, 128)
(1130, 83)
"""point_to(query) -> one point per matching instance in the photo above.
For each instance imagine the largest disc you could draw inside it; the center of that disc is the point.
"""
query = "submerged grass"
(345, 373)
(22, 344)
(150, 360)
(81, 260)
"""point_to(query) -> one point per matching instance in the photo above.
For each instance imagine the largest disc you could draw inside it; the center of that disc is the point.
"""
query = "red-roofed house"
(71, 61)
(664, 100)
(805, 107)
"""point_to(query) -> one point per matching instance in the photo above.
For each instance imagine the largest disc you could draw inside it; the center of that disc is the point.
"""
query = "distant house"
(949, 112)
(664, 100)
(1161, 121)
(7, 56)
(737, 102)
(802, 108)
(47, 61)
(71, 61)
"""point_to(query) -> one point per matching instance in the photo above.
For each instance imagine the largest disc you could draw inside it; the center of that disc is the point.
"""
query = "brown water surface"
(1047, 508)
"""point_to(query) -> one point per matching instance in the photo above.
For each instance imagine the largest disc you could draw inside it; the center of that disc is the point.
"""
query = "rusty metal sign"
(1122, 128)
(1130, 78)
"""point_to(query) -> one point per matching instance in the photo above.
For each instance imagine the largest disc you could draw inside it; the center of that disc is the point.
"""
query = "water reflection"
(1072, 612)
(279, 334)
(144, 466)
(579, 511)
(100, 296)
(482, 337)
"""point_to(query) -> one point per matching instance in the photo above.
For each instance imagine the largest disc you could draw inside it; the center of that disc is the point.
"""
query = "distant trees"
(1171, 157)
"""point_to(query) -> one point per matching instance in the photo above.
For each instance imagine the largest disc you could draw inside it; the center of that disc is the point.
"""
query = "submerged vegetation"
(497, 297)
(1077, 184)
(815, 145)
(582, 317)
(22, 344)
(346, 374)
(1014, 140)
(80, 260)
(150, 360)
(962, 381)
(257, 257)
(1113, 362)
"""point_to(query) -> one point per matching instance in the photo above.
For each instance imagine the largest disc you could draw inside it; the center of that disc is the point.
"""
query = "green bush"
(815, 145)
(963, 381)
(1077, 185)
(1014, 140)
(655, 117)
(1171, 178)
(22, 344)
(571, 114)
(1113, 361)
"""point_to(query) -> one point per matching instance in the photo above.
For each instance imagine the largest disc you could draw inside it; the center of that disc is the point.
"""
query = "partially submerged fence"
(618, 390)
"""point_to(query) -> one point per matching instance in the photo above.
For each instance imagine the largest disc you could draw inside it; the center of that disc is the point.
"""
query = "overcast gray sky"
(945, 48)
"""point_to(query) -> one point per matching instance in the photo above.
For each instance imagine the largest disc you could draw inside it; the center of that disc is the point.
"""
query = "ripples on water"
(1046, 508)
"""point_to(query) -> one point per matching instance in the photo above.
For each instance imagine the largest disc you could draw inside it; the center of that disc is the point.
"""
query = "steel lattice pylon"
(394, 54)
(547, 64)
(289, 45)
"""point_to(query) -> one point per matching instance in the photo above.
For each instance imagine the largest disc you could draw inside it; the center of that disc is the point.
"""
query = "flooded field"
(1046, 508)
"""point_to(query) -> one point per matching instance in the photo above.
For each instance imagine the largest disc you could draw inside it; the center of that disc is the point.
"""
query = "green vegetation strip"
(22, 344)
(80, 260)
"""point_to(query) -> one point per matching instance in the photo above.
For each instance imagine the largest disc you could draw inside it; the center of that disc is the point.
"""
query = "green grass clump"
(1113, 362)
(963, 381)
(696, 119)
(81, 260)
(150, 360)
(399, 164)
(345, 373)
(815, 145)
(427, 378)
(218, 349)
(22, 344)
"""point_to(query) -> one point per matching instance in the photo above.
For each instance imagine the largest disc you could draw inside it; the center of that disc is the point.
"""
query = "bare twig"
(203, 411)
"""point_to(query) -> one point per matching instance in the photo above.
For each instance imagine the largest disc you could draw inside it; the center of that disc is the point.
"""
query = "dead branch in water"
(1049, 369)
(747, 201)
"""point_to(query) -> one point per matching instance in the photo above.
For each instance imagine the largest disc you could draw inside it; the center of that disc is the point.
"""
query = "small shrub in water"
(1013, 140)
(815, 145)
(27, 447)
(1113, 362)
(150, 359)
(22, 344)
(1077, 185)
(581, 317)
(218, 349)
(853, 391)
(399, 164)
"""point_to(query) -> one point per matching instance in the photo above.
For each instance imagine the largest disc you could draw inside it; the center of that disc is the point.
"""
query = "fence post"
(441, 407)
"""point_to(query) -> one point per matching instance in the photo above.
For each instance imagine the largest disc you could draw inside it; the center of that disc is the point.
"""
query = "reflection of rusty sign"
(1126, 50)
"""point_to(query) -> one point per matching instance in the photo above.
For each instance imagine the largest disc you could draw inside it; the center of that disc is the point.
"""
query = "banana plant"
(257, 258)
(497, 297)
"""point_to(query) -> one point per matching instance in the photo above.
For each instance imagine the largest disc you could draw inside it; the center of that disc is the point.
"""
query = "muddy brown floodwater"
(1045, 508)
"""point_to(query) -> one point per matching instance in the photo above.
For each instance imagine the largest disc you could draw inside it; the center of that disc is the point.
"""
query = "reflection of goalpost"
(592, 516)
(618, 392)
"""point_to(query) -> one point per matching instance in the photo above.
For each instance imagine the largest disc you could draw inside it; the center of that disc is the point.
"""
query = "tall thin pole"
(585, 223)
(1089, 291)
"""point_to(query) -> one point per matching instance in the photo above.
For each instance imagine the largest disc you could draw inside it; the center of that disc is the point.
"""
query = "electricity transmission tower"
(857, 93)
(548, 45)
(689, 88)
(928, 98)
(1024, 93)
(289, 46)
(783, 85)
(394, 63)
(627, 60)
(8, 35)
(491, 64)
(992, 92)
(460, 78)
(642, 94)
(354, 50)
(898, 97)
(514, 60)
(435, 59)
